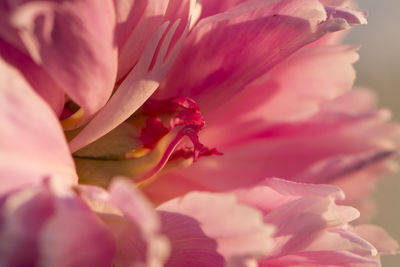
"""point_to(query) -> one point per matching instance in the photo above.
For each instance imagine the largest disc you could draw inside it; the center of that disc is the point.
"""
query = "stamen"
(72, 121)
(163, 126)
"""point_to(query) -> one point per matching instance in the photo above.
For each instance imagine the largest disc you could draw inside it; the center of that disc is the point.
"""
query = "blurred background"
(379, 69)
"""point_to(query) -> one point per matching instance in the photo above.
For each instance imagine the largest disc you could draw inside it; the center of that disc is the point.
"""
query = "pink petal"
(134, 206)
(247, 48)
(321, 258)
(139, 211)
(334, 146)
(311, 206)
(190, 246)
(273, 193)
(347, 240)
(320, 227)
(39, 80)
(198, 215)
(51, 226)
(292, 92)
(377, 236)
(134, 223)
(366, 101)
(135, 90)
(210, 7)
(139, 21)
(351, 15)
(76, 237)
(128, 15)
(23, 215)
(32, 144)
(300, 80)
(63, 39)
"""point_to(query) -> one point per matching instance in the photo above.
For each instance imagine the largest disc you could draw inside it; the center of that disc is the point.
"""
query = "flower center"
(162, 135)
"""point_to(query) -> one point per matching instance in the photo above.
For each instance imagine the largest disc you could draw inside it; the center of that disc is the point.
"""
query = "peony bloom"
(197, 104)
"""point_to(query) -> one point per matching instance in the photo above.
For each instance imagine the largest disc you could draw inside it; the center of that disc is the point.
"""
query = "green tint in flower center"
(161, 135)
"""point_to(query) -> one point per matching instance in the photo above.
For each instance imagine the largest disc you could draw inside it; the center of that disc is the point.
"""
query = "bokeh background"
(379, 69)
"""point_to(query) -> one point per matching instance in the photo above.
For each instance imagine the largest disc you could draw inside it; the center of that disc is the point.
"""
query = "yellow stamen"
(73, 121)
(101, 171)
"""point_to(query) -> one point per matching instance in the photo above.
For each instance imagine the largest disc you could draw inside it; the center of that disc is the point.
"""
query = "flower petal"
(63, 39)
(199, 215)
(296, 88)
(236, 47)
(377, 236)
(136, 88)
(51, 226)
(132, 220)
(144, 17)
(25, 117)
(345, 141)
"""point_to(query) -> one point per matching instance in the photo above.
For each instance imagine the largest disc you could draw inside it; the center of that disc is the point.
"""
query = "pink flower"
(143, 89)
(288, 127)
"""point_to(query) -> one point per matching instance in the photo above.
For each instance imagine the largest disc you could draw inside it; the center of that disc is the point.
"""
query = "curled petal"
(351, 15)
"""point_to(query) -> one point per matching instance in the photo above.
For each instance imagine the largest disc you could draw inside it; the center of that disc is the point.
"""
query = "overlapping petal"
(132, 221)
(312, 229)
(276, 103)
(199, 235)
(156, 59)
(50, 226)
(70, 43)
(139, 20)
(217, 46)
(341, 144)
(296, 88)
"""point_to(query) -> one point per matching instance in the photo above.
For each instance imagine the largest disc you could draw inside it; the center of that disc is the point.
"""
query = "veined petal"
(236, 47)
(25, 116)
(136, 28)
(137, 23)
(300, 84)
(199, 217)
